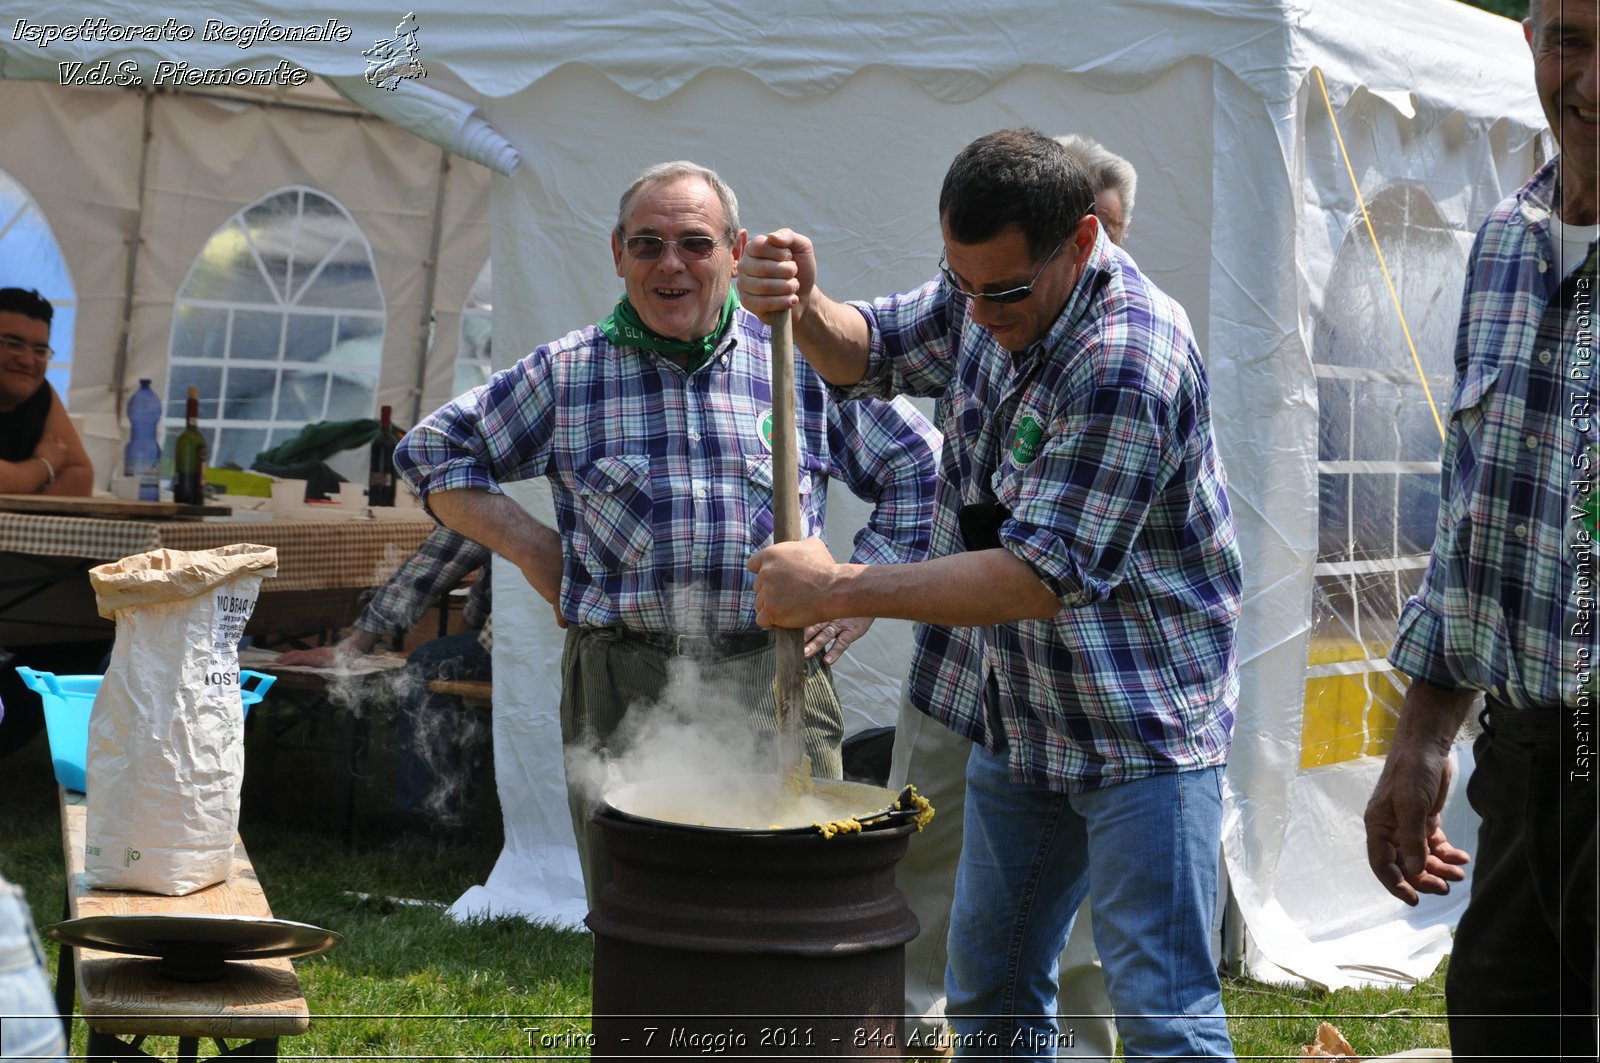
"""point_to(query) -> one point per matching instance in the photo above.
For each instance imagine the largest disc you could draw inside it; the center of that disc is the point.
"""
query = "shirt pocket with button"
(1473, 419)
(613, 530)
(760, 517)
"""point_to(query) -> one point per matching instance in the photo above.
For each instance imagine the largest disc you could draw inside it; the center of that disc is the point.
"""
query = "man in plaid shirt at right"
(1506, 607)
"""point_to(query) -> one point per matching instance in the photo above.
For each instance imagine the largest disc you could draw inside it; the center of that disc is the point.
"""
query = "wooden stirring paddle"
(790, 688)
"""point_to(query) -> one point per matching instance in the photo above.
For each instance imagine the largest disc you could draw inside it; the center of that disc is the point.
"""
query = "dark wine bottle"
(380, 477)
(189, 457)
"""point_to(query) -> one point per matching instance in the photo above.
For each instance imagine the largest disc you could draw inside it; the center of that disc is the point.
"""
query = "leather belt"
(720, 645)
(1537, 726)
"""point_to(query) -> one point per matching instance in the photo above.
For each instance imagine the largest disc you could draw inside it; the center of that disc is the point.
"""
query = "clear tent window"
(279, 324)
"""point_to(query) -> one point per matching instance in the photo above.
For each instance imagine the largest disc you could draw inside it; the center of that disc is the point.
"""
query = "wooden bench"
(470, 691)
(124, 999)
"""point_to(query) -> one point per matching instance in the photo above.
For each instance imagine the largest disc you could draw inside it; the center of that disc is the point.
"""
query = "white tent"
(1265, 134)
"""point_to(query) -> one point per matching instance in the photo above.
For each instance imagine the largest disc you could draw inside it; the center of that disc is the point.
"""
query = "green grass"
(1271, 1021)
(408, 981)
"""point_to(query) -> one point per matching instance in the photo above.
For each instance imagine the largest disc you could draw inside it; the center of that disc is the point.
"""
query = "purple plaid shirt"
(1507, 604)
(662, 479)
(1098, 442)
(442, 563)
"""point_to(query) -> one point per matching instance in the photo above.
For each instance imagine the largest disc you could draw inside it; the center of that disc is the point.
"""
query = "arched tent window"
(279, 324)
(473, 364)
(31, 258)
(1377, 461)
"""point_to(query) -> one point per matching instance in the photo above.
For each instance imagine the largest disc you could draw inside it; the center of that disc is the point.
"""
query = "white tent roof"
(1430, 57)
(1449, 56)
(839, 118)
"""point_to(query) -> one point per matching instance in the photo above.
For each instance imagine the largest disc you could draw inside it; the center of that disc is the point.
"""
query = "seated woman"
(40, 452)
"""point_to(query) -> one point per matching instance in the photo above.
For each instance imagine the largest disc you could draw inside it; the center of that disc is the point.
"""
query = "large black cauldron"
(749, 943)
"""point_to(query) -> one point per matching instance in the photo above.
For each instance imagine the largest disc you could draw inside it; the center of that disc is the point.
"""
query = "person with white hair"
(1115, 183)
(653, 428)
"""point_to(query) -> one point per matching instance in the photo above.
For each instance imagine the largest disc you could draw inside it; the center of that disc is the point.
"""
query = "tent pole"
(119, 372)
(1233, 930)
(430, 275)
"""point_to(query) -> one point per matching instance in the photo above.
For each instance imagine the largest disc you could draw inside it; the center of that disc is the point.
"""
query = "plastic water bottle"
(141, 458)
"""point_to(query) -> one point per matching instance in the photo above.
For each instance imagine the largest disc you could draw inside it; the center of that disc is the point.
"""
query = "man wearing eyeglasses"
(934, 757)
(40, 452)
(1082, 525)
(653, 428)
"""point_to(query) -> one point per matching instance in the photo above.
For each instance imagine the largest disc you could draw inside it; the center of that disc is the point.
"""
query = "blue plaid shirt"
(1098, 441)
(1507, 603)
(662, 479)
(442, 563)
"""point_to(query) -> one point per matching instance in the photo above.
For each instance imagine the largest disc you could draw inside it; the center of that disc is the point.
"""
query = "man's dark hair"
(1015, 177)
(27, 302)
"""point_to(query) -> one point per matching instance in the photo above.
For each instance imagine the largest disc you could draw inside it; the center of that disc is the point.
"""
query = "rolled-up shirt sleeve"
(911, 343)
(887, 453)
(1424, 644)
(493, 434)
(1418, 648)
(1078, 510)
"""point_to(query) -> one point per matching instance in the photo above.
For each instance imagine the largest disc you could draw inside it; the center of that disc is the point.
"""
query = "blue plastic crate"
(68, 700)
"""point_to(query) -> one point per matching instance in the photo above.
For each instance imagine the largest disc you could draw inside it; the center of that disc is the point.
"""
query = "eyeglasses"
(650, 248)
(1010, 295)
(11, 343)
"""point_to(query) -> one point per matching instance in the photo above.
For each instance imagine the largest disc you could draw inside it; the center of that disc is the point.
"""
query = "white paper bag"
(166, 740)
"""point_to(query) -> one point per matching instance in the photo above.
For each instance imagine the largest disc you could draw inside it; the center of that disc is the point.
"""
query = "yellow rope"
(1394, 296)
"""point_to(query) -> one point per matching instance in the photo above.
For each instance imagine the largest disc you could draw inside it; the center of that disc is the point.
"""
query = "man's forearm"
(963, 590)
(501, 524)
(359, 640)
(1431, 716)
(833, 338)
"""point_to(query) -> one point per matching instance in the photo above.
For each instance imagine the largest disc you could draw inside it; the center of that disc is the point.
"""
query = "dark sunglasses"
(1010, 295)
(650, 248)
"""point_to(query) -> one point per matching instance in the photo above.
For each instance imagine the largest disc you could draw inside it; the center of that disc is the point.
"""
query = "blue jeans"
(29, 1026)
(1147, 850)
(433, 733)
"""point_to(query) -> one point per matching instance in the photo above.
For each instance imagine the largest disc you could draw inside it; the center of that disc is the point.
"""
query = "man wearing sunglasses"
(1082, 526)
(40, 452)
(935, 757)
(653, 428)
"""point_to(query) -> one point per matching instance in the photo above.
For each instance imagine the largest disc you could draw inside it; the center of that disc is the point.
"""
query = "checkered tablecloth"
(312, 555)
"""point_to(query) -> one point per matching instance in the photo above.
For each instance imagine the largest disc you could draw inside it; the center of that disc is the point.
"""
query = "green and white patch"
(1025, 442)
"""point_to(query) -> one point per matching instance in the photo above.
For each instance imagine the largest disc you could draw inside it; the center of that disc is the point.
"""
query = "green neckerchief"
(625, 328)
